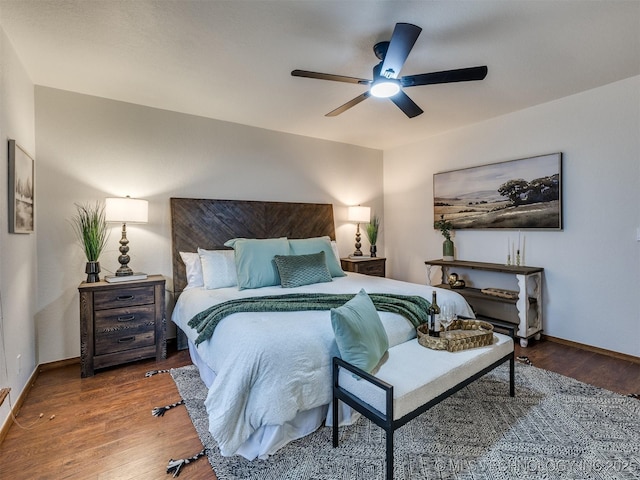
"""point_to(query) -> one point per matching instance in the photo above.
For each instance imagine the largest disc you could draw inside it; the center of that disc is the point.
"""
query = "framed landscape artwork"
(21, 190)
(517, 194)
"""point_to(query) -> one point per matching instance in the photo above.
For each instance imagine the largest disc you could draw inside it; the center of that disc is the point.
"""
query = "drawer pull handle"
(126, 318)
(125, 297)
(126, 339)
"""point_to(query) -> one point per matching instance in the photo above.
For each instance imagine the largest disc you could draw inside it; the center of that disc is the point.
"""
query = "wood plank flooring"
(103, 428)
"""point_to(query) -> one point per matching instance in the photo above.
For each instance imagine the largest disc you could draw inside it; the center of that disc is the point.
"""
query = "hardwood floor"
(103, 427)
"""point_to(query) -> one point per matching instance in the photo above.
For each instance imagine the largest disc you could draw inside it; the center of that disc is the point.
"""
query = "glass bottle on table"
(434, 316)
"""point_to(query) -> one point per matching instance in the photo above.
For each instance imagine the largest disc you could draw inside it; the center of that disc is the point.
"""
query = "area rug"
(554, 428)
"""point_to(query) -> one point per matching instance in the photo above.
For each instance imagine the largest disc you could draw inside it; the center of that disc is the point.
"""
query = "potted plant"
(445, 228)
(372, 233)
(90, 227)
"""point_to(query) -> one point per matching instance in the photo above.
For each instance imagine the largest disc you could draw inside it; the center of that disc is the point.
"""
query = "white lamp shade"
(126, 210)
(359, 214)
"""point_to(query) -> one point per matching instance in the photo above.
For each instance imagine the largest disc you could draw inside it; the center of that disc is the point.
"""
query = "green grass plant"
(90, 227)
(372, 229)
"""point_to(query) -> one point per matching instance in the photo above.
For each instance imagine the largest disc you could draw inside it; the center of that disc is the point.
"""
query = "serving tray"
(461, 335)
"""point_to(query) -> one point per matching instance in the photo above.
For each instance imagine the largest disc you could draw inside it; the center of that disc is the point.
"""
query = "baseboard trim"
(15, 408)
(589, 348)
(43, 367)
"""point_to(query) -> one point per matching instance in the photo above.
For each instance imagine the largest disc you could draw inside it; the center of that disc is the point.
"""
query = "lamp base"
(123, 259)
(124, 271)
(358, 252)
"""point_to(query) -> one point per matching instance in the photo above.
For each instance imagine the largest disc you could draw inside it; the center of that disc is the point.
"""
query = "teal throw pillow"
(255, 267)
(298, 270)
(305, 246)
(359, 333)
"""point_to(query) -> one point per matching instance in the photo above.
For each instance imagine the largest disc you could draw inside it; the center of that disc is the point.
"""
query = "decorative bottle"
(434, 316)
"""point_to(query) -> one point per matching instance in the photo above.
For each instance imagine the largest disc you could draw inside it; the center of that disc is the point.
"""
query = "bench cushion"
(419, 374)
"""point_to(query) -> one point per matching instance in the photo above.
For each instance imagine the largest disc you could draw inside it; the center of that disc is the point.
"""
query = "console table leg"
(445, 274)
(428, 274)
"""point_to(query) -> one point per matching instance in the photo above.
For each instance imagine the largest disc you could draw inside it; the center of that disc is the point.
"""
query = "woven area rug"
(555, 428)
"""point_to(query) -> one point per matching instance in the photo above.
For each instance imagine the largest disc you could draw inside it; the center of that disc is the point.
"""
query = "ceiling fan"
(386, 83)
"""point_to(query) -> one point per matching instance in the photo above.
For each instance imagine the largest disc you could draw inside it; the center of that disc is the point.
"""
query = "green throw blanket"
(412, 307)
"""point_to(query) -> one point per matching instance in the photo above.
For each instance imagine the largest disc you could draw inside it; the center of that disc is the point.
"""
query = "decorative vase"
(93, 272)
(373, 250)
(447, 250)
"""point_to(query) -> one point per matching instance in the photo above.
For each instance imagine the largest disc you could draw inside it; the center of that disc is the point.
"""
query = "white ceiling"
(231, 60)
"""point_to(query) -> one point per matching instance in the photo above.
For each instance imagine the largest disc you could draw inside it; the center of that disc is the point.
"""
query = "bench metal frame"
(385, 420)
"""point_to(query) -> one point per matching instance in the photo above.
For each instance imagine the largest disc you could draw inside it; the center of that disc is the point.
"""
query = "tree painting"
(523, 193)
(21, 168)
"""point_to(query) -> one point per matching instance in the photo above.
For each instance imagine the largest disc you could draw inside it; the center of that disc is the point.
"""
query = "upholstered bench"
(411, 380)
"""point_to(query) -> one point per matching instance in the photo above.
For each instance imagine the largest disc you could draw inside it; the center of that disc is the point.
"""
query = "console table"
(527, 314)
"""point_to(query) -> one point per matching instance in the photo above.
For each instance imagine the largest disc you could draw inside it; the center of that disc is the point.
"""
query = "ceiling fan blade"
(329, 76)
(405, 104)
(349, 104)
(447, 76)
(402, 41)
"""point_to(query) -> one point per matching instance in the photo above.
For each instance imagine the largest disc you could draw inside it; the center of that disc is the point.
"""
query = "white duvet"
(271, 366)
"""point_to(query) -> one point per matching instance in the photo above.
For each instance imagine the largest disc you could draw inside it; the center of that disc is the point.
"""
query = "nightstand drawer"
(372, 268)
(123, 297)
(119, 329)
(129, 339)
(116, 319)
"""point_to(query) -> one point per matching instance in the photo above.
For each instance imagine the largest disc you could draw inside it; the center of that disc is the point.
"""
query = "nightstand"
(121, 322)
(374, 266)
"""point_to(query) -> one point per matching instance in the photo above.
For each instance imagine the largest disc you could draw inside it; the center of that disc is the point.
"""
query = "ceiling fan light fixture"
(385, 88)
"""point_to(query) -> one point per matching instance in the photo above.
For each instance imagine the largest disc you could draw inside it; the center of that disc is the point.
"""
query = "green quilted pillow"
(360, 336)
(298, 270)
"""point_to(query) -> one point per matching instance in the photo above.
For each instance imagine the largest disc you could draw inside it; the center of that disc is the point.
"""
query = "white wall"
(18, 252)
(592, 267)
(90, 148)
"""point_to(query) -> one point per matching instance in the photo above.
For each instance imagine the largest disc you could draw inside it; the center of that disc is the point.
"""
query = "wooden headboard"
(209, 224)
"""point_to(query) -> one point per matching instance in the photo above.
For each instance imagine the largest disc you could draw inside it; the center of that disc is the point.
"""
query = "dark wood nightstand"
(374, 266)
(121, 322)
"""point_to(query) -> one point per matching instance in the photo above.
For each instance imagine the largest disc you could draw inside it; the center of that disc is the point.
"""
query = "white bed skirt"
(270, 438)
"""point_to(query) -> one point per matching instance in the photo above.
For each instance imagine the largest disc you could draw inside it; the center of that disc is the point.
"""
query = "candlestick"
(508, 251)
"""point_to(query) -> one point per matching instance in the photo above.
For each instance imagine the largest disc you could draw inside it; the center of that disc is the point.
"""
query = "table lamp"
(126, 210)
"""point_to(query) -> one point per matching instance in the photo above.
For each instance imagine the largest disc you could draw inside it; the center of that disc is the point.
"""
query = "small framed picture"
(21, 190)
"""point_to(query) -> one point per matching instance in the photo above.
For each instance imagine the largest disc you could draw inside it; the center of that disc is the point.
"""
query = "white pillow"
(194, 269)
(218, 268)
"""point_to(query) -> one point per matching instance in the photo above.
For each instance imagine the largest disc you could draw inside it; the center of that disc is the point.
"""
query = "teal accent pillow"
(305, 246)
(359, 333)
(298, 270)
(255, 267)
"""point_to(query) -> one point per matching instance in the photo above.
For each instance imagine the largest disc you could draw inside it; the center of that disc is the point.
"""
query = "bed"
(268, 374)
